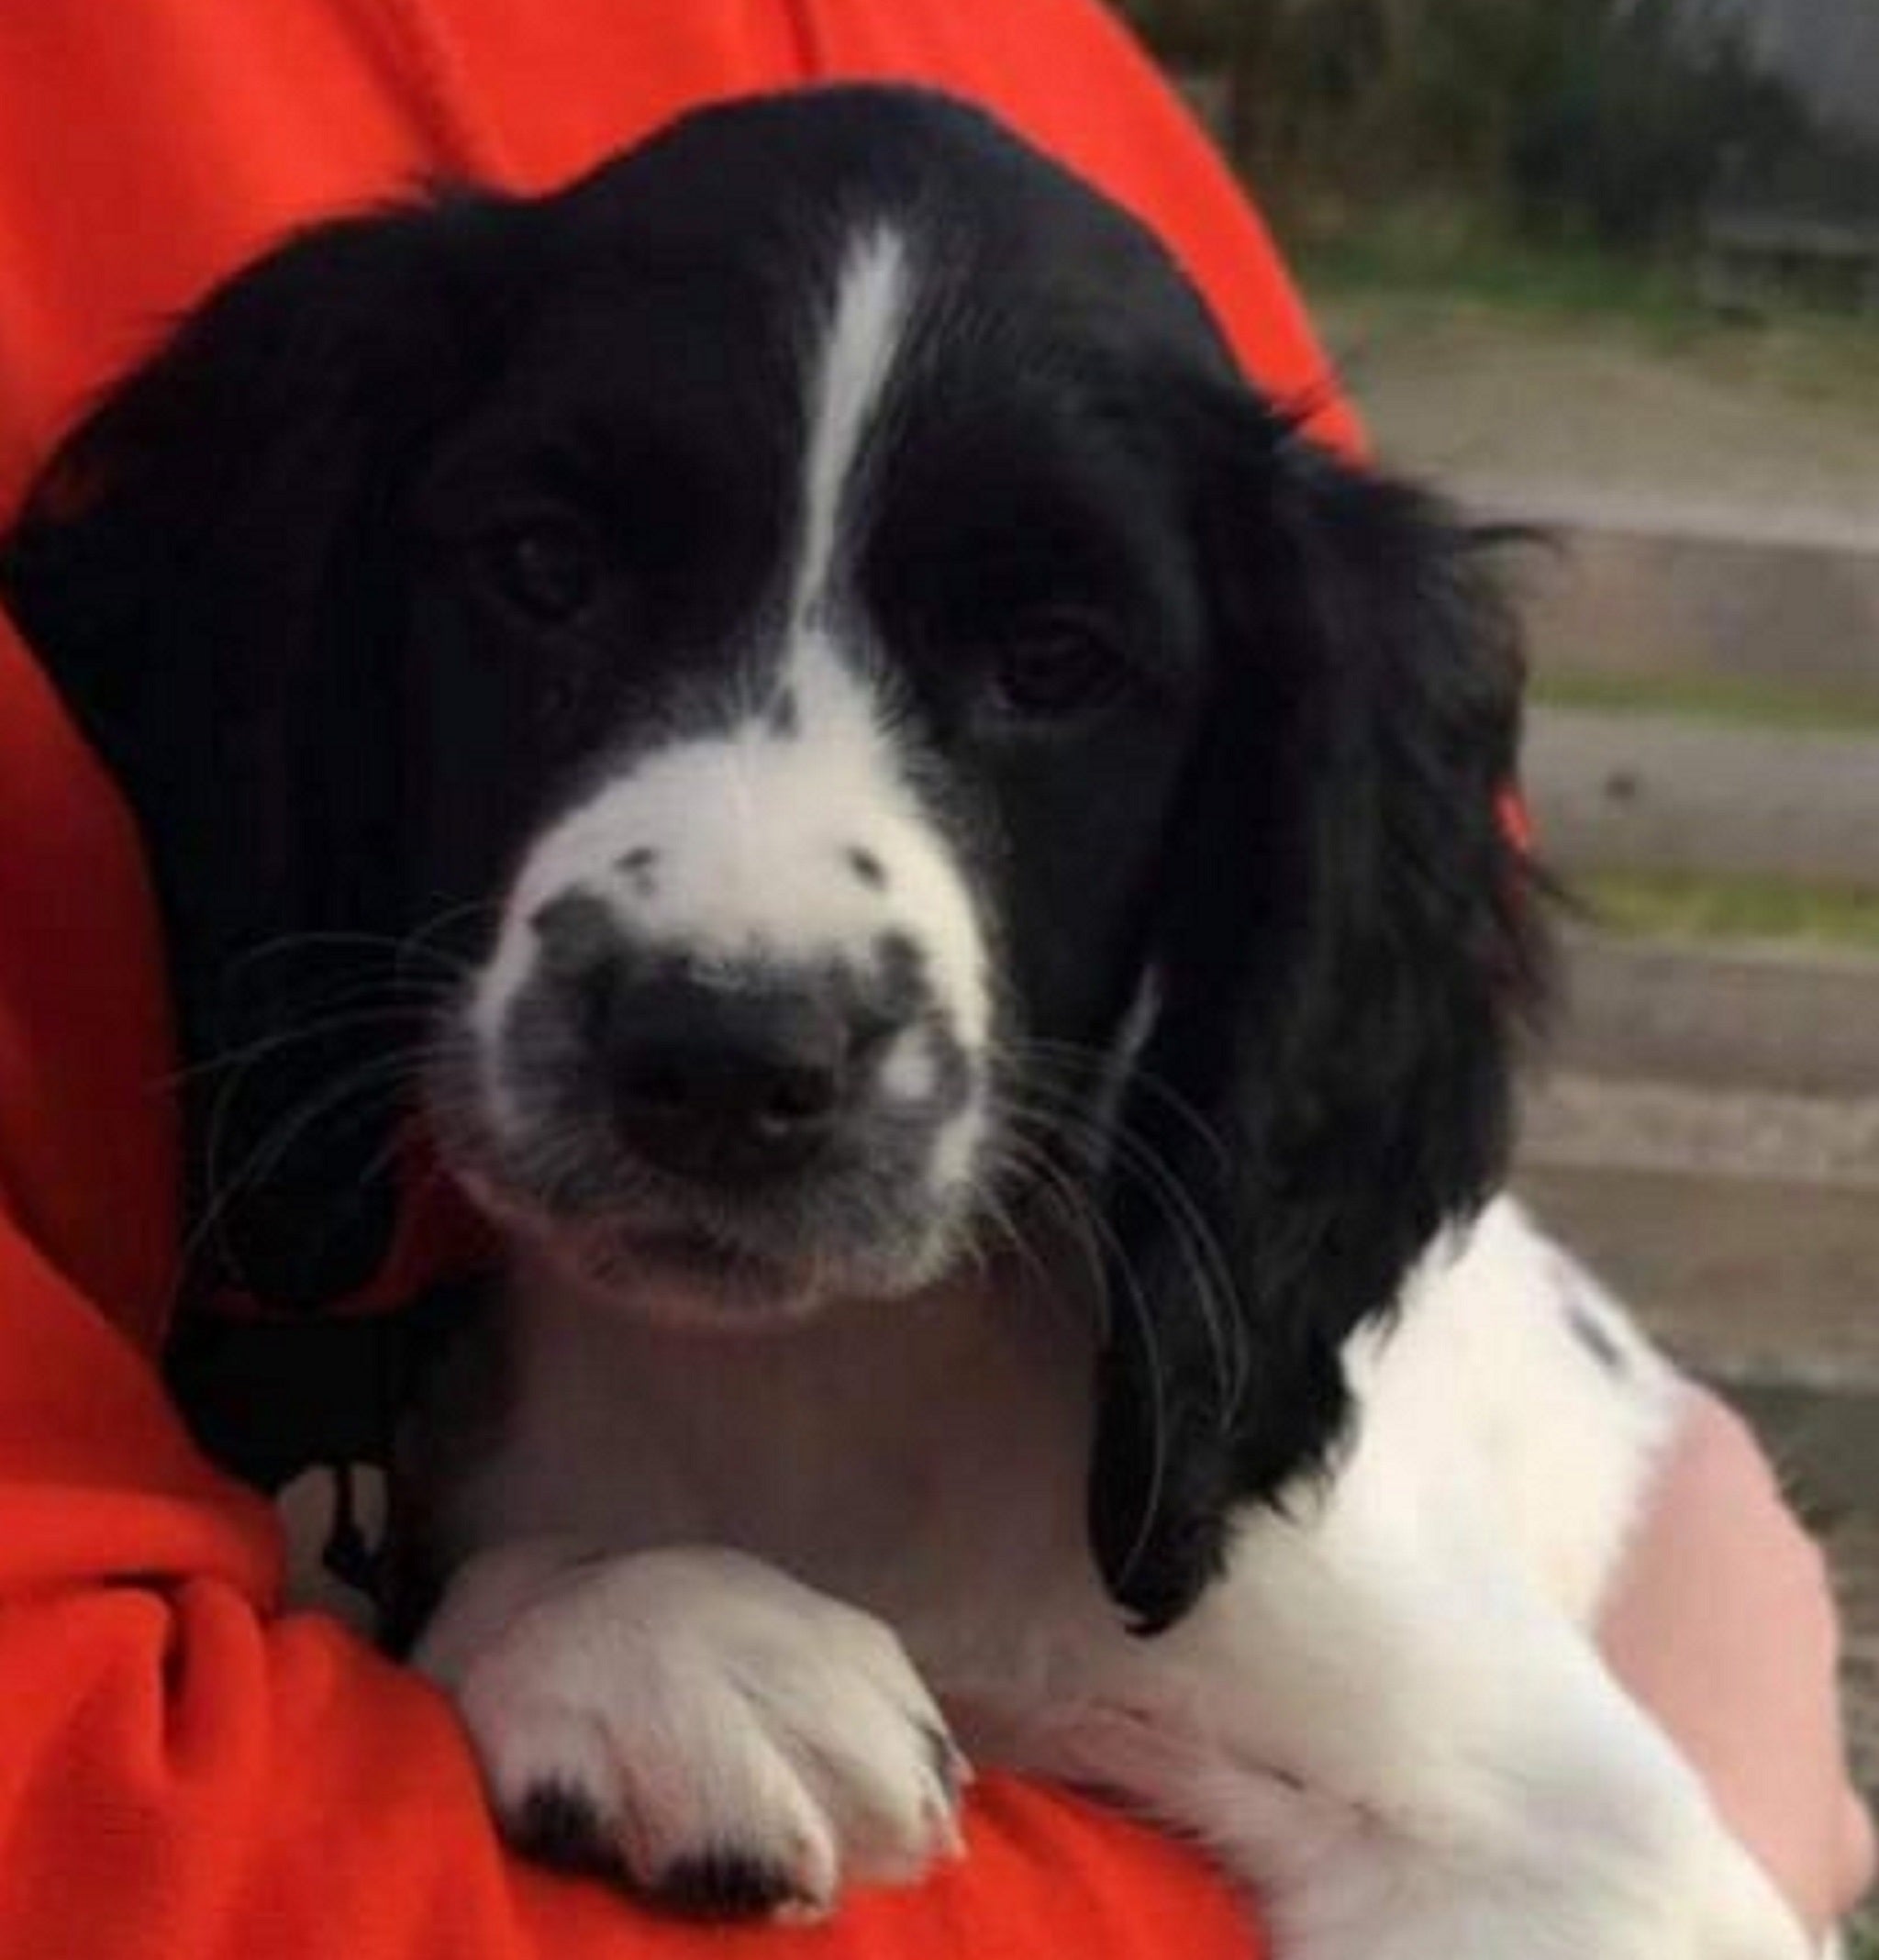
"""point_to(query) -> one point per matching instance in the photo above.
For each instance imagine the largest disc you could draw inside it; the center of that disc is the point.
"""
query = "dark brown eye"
(548, 570)
(1054, 666)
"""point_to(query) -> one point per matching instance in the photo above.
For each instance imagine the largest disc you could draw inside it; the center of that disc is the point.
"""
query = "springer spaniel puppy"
(940, 866)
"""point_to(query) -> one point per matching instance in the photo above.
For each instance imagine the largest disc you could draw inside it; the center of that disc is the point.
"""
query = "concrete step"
(1593, 1122)
(1743, 598)
(1770, 1017)
(1743, 1230)
(1753, 1281)
(1646, 792)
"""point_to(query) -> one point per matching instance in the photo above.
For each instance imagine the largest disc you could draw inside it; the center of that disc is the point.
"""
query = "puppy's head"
(886, 734)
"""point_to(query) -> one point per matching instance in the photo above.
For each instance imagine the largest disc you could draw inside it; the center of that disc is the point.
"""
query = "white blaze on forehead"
(854, 364)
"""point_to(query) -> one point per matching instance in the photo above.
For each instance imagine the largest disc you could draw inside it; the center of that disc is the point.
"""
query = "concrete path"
(1730, 426)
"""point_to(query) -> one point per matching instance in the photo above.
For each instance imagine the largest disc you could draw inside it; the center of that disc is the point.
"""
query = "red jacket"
(184, 1770)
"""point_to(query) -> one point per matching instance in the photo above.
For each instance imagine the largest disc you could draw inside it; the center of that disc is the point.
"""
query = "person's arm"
(1722, 1623)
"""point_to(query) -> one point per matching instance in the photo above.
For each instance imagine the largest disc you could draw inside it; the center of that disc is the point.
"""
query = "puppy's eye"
(1056, 666)
(547, 568)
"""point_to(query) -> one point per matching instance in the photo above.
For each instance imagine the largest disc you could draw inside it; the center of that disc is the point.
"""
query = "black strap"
(269, 1397)
(350, 1555)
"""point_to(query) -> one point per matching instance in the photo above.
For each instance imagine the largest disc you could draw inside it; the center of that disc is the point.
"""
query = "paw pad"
(728, 1883)
(561, 1828)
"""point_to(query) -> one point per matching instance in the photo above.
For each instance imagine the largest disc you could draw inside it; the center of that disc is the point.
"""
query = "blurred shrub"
(1641, 117)
(1613, 120)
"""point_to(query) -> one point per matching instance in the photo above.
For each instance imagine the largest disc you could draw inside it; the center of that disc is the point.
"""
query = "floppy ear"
(1348, 948)
(209, 570)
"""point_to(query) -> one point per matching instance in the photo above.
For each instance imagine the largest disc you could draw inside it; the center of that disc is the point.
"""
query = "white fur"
(1387, 1714)
(852, 372)
(909, 1072)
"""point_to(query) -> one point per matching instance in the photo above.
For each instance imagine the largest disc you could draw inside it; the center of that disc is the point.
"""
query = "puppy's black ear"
(208, 569)
(1348, 946)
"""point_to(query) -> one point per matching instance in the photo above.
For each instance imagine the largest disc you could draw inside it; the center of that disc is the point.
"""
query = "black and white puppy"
(982, 964)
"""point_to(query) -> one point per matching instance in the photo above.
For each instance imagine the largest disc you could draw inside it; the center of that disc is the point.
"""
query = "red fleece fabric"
(184, 1770)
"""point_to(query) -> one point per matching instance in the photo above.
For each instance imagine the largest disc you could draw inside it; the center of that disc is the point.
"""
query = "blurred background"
(1613, 265)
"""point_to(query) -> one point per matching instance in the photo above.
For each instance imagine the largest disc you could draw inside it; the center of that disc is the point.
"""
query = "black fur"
(1348, 946)
(559, 1826)
(1289, 818)
(729, 1885)
(208, 568)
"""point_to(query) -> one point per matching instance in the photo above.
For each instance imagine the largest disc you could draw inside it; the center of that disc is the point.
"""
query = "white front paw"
(698, 1723)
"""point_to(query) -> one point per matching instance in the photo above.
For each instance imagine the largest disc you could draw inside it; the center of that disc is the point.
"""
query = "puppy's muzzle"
(717, 1076)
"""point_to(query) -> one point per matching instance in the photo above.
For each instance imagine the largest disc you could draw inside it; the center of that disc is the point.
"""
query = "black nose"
(724, 1083)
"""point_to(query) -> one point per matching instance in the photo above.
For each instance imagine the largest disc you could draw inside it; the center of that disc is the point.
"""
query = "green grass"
(1734, 700)
(1675, 906)
(1863, 1940)
(1450, 253)
(1413, 256)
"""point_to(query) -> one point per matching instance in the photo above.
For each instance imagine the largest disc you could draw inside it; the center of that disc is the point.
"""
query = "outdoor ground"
(1645, 402)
